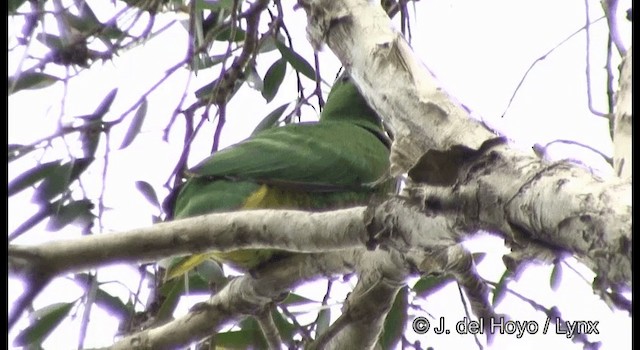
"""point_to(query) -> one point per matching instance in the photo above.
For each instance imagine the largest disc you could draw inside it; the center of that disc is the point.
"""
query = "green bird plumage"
(334, 163)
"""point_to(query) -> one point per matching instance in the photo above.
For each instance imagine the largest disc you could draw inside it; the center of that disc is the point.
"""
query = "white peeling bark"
(290, 230)
(563, 206)
(394, 82)
(246, 295)
(468, 179)
(540, 209)
(381, 274)
(622, 121)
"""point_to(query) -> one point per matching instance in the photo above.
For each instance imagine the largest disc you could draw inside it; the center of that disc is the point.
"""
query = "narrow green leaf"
(253, 78)
(215, 4)
(556, 276)
(111, 31)
(225, 35)
(113, 305)
(30, 80)
(273, 79)
(16, 151)
(428, 285)
(173, 289)
(478, 257)
(90, 137)
(28, 224)
(268, 44)
(197, 35)
(47, 319)
(323, 320)
(14, 5)
(51, 41)
(395, 321)
(207, 90)
(54, 184)
(286, 329)
(296, 299)
(84, 24)
(253, 333)
(271, 119)
(206, 61)
(31, 176)
(136, 125)
(235, 340)
(104, 106)
(296, 61)
(74, 211)
(89, 17)
(60, 178)
(176, 287)
(501, 289)
(148, 192)
(196, 284)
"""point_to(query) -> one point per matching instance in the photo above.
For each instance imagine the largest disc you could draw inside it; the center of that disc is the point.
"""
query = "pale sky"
(479, 52)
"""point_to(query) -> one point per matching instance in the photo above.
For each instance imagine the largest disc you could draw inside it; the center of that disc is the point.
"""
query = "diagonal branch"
(246, 295)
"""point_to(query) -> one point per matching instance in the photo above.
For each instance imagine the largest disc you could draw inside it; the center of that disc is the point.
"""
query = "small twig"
(318, 91)
(466, 312)
(539, 59)
(553, 315)
(325, 299)
(299, 81)
(190, 134)
(222, 118)
(610, 8)
(404, 20)
(611, 92)
(587, 30)
(304, 332)
(177, 110)
(297, 108)
(90, 300)
(35, 278)
(570, 142)
(103, 189)
(143, 97)
(77, 40)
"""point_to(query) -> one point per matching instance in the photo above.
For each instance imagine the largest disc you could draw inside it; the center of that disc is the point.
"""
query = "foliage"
(64, 40)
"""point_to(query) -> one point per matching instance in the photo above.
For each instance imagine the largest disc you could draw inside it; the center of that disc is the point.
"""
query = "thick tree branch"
(461, 167)
(246, 295)
(285, 229)
(540, 209)
(381, 272)
(622, 121)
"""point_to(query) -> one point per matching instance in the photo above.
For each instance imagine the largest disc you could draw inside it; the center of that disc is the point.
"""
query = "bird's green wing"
(337, 155)
(334, 163)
